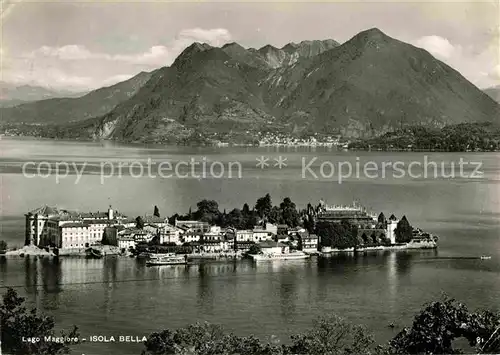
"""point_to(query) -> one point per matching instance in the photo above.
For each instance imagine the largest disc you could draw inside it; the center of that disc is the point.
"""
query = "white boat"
(280, 256)
(485, 257)
(166, 259)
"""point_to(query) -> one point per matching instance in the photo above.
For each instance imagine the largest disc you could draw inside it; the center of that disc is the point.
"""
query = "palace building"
(354, 213)
(50, 226)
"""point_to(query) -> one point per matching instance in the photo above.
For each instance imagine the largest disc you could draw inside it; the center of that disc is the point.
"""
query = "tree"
(333, 335)
(263, 206)
(274, 215)
(235, 219)
(156, 212)
(154, 241)
(329, 335)
(484, 326)
(300, 243)
(139, 222)
(208, 211)
(439, 324)
(381, 218)
(205, 339)
(109, 236)
(337, 235)
(251, 220)
(245, 210)
(18, 323)
(172, 219)
(403, 231)
(3, 245)
(289, 213)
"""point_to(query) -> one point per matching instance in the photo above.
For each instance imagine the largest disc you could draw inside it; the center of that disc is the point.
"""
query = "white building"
(274, 247)
(190, 237)
(126, 243)
(244, 236)
(74, 235)
(216, 246)
(310, 243)
(282, 238)
(160, 222)
(170, 234)
(194, 226)
(272, 228)
(50, 226)
(260, 235)
(294, 231)
(392, 223)
(138, 235)
(42, 225)
(213, 234)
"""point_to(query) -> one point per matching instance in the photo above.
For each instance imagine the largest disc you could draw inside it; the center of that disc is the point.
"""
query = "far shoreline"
(221, 147)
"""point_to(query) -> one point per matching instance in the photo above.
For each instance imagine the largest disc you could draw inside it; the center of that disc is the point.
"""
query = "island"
(209, 233)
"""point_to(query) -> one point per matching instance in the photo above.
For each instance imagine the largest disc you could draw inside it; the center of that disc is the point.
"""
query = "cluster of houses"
(53, 227)
(272, 138)
(214, 239)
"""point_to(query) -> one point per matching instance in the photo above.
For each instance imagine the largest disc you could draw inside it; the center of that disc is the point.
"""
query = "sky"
(88, 44)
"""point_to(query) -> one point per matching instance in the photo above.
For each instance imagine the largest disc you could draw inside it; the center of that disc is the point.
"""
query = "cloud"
(495, 73)
(438, 46)
(155, 56)
(214, 37)
(76, 66)
(478, 65)
(50, 77)
(68, 52)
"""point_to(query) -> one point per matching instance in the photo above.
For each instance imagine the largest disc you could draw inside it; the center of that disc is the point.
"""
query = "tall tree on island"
(381, 218)
(235, 219)
(245, 210)
(263, 206)
(337, 235)
(110, 236)
(139, 222)
(275, 215)
(404, 231)
(208, 211)
(289, 213)
(156, 213)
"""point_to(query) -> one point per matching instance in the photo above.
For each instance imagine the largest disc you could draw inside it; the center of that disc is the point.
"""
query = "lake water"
(120, 296)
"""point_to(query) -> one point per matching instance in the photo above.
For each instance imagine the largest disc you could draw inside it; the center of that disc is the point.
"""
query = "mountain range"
(70, 109)
(13, 95)
(370, 85)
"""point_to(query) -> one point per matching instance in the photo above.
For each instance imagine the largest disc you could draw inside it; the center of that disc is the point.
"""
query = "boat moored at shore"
(297, 255)
(166, 259)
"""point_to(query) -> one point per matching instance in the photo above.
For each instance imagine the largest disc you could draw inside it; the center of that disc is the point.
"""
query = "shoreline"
(29, 251)
(338, 147)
